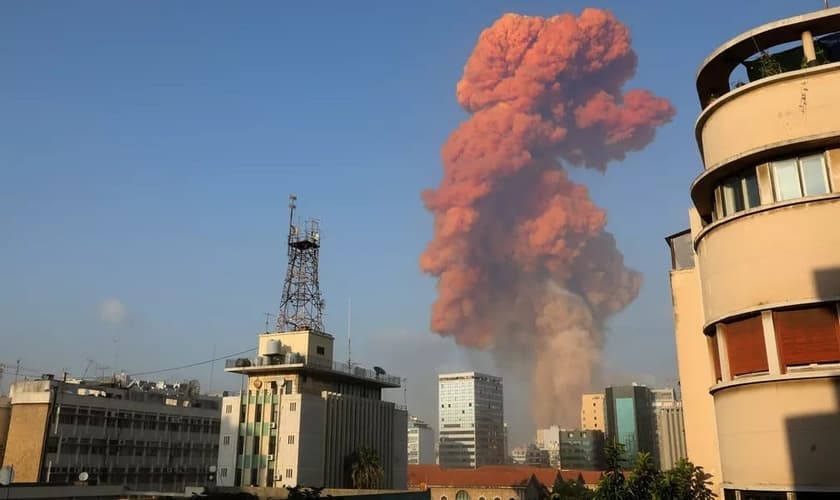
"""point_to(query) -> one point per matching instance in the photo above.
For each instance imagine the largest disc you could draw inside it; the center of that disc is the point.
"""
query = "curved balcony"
(780, 433)
(767, 117)
(713, 75)
(773, 256)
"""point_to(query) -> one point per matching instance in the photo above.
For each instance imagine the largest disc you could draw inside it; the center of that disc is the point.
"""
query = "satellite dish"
(83, 476)
(212, 469)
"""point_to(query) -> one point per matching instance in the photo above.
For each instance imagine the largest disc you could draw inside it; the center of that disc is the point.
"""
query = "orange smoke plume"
(524, 265)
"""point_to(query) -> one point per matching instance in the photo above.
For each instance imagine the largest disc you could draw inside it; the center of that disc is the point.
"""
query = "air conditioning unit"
(273, 425)
(271, 458)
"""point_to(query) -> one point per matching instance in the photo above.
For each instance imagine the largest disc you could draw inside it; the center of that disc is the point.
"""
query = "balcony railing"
(300, 360)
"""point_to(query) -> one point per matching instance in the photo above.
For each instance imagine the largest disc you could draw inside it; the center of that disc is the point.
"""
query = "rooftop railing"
(300, 360)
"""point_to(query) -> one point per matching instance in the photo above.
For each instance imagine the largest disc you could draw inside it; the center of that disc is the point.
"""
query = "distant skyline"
(147, 152)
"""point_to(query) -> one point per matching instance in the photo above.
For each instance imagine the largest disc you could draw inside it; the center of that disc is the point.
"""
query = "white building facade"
(471, 420)
(548, 440)
(421, 442)
(669, 427)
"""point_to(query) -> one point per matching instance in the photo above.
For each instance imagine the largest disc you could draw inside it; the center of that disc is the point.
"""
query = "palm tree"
(365, 469)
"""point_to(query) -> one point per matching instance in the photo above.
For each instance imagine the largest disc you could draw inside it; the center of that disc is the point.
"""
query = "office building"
(304, 416)
(669, 427)
(756, 278)
(549, 440)
(142, 435)
(471, 425)
(592, 414)
(581, 449)
(630, 420)
(421, 442)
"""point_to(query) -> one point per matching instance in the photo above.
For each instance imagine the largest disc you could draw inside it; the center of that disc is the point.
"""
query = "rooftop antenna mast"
(301, 307)
(349, 343)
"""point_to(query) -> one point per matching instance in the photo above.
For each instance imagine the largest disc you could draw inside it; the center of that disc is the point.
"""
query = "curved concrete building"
(756, 280)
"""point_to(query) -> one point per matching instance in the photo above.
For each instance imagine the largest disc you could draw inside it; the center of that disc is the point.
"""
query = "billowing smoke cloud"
(525, 266)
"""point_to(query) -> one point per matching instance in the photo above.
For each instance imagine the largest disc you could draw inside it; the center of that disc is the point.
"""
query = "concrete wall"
(770, 258)
(696, 373)
(229, 429)
(25, 443)
(781, 434)
(5, 418)
(302, 342)
(777, 111)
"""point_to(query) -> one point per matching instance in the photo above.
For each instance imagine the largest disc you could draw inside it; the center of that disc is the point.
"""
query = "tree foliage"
(366, 471)
(685, 481)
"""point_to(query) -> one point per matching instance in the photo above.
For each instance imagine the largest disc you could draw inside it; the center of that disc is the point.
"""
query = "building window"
(462, 495)
(289, 473)
(745, 345)
(320, 350)
(798, 177)
(739, 193)
(223, 472)
(443, 497)
(226, 440)
(292, 406)
(807, 335)
(291, 439)
(229, 409)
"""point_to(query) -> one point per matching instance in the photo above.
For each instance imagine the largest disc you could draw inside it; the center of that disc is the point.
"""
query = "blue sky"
(147, 150)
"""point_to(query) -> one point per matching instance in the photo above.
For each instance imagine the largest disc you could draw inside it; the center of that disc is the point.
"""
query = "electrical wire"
(199, 363)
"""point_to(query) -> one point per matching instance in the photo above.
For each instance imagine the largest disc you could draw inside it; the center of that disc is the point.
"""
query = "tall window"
(740, 193)
(745, 346)
(798, 177)
(807, 335)
(462, 495)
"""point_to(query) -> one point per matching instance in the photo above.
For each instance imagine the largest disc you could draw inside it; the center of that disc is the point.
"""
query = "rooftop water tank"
(273, 348)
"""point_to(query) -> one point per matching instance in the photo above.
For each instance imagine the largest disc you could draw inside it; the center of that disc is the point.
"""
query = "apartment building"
(592, 414)
(142, 435)
(756, 279)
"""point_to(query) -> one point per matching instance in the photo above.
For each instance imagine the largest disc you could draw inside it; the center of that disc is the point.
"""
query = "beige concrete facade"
(756, 280)
(5, 417)
(303, 415)
(25, 442)
(592, 414)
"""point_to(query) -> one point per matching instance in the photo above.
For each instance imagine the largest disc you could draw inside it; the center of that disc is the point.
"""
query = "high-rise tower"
(301, 307)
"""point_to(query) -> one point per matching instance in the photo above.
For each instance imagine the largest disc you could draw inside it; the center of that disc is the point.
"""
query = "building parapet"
(300, 361)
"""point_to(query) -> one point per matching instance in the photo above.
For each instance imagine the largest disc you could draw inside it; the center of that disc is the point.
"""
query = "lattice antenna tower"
(301, 307)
